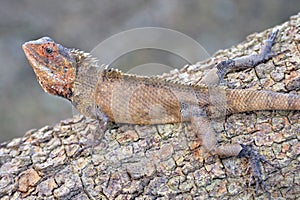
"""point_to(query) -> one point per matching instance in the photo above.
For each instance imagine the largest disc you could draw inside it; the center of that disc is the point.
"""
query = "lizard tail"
(251, 100)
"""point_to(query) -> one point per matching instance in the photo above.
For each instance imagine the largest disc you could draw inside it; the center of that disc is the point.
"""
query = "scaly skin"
(104, 93)
(131, 99)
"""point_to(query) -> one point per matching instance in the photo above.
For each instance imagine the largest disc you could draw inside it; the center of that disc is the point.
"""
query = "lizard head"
(53, 64)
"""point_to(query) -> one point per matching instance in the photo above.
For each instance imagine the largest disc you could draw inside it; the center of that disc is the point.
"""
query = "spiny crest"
(115, 73)
(83, 57)
(112, 73)
(87, 60)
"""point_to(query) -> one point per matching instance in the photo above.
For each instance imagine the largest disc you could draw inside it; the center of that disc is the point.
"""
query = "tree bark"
(72, 161)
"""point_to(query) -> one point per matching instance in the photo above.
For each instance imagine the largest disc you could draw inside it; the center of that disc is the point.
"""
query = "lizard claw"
(266, 52)
(272, 36)
(254, 164)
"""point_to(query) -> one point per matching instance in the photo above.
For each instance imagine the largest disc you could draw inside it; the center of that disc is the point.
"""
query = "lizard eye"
(48, 50)
(65, 70)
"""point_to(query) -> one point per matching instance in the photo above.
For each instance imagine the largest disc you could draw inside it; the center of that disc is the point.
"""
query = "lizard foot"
(254, 164)
(266, 50)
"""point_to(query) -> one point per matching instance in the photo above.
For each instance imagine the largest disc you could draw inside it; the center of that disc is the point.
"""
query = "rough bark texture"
(71, 160)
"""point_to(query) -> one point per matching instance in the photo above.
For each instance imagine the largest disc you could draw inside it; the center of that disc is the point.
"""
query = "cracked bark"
(164, 161)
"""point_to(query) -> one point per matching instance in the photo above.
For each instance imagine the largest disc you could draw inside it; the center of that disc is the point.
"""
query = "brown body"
(141, 100)
(124, 98)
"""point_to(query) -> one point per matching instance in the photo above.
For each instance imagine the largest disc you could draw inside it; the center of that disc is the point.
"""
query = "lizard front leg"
(102, 120)
(97, 136)
(102, 125)
(203, 128)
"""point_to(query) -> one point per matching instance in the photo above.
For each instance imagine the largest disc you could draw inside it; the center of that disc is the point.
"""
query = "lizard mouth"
(34, 59)
(44, 75)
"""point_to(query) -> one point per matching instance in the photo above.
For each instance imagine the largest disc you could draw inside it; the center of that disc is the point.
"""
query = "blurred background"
(216, 24)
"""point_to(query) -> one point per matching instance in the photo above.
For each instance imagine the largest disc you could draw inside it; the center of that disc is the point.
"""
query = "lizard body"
(133, 99)
(127, 98)
(123, 98)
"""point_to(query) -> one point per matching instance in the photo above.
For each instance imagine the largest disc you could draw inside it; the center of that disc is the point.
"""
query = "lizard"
(107, 94)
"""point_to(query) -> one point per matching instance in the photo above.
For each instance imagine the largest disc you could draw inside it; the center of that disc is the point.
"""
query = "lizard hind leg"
(248, 61)
(204, 129)
(202, 126)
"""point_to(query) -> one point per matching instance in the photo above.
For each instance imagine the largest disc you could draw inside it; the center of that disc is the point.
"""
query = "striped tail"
(251, 100)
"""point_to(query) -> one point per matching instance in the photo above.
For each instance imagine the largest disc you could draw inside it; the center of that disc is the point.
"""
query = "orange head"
(53, 64)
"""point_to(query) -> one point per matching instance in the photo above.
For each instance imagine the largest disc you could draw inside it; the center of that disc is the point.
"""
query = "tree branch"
(70, 160)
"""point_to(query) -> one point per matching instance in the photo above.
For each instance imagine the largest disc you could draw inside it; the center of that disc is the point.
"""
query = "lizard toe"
(254, 159)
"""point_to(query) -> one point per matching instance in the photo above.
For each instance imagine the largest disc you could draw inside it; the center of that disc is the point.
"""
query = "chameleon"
(107, 94)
